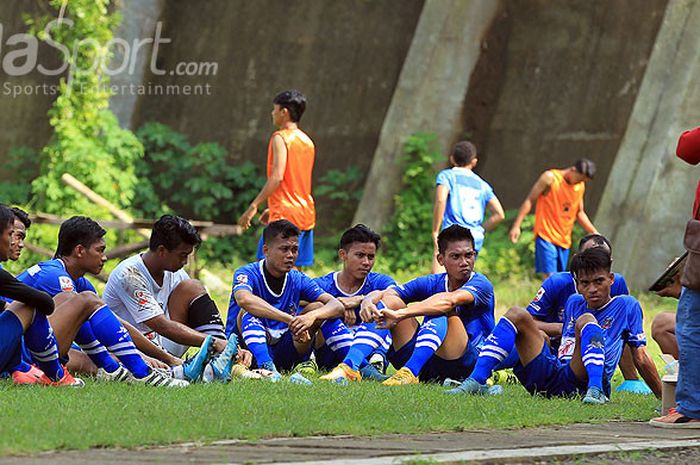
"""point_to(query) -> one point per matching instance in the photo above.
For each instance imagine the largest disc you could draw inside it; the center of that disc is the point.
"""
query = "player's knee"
(583, 320)
(90, 301)
(191, 288)
(517, 315)
(663, 323)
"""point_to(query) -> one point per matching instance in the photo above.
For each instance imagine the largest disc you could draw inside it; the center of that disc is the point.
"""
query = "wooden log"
(124, 250)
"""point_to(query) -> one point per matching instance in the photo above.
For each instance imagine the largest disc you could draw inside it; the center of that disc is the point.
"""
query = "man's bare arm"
(543, 182)
(647, 369)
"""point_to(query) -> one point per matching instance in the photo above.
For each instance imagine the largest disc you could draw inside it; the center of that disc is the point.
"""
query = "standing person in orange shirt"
(559, 204)
(290, 161)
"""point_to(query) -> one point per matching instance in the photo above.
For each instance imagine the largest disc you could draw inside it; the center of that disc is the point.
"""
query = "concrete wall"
(649, 195)
(557, 81)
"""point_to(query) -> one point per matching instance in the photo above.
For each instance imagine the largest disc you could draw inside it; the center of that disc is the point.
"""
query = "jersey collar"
(284, 284)
(337, 286)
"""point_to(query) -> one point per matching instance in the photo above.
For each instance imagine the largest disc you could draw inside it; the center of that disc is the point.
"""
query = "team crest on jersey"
(539, 294)
(607, 323)
(66, 283)
(241, 279)
(140, 297)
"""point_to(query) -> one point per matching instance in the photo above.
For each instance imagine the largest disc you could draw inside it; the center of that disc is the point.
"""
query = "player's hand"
(301, 323)
(247, 217)
(367, 311)
(387, 318)
(244, 357)
(154, 362)
(265, 216)
(350, 318)
(514, 234)
(673, 289)
(219, 345)
(302, 338)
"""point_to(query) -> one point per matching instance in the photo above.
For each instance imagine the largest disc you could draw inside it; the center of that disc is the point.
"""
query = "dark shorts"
(10, 341)
(548, 376)
(284, 354)
(306, 249)
(437, 369)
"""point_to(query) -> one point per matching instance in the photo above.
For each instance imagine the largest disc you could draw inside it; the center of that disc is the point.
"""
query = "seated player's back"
(52, 277)
(548, 304)
(621, 320)
(297, 286)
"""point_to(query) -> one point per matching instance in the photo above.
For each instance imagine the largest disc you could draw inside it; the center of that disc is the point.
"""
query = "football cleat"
(378, 360)
(470, 386)
(342, 374)
(402, 377)
(298, 378)
(594, 396)
(121, 374)
(370, 371)
(242, 372)
(67, 380)
(194, 367)
(274, 375)
(219, 369)
(158, 378)
(307, 368)
(33, 376)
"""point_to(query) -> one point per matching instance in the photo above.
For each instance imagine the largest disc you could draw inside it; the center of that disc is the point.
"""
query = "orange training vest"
(556, 210)
(292, 199)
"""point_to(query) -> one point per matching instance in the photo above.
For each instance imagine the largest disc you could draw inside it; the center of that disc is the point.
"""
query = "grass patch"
(114, 415)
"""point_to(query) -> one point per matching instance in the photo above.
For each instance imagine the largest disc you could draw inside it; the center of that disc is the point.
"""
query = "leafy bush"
(23, 163)
(338, 192)
(408, 235)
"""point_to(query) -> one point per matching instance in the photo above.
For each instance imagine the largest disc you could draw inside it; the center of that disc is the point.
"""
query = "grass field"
(38, 419)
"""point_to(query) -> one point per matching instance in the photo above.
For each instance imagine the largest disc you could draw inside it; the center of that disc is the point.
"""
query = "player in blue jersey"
(265, 303)
(85, 318)
(24, 315)
(357, 251)
(548, 307)
(457, 310)
(462, 197)
(596, 327)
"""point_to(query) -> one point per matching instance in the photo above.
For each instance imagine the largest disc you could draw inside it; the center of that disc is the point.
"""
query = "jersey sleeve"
(86, 285)
(619, 286)
(310, 291)
(325, 283)
(49, 280)
(136, 296)
(543, 302)
(414, 290)
(634, 336)
(243, 279)
(383, 282)
(488, 192)
(481, 289)
(442, 179)
(16, 290)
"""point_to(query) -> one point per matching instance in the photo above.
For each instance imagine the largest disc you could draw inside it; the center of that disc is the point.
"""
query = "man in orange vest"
(558, 195)
(290, 161)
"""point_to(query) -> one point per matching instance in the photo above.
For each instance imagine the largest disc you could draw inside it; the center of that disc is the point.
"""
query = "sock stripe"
(208, 327)
(48, 351)
(94, 351)
(122, 352)
(90, 345)
(341, 337)
(495, 349)
(255, 340)
(120, 345)
(254, 332)
(430, 344)
(494, 355)
(340, 345)
(368, 342)
(428, 337)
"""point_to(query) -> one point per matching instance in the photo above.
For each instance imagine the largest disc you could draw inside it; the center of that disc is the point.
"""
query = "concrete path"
(470, 446)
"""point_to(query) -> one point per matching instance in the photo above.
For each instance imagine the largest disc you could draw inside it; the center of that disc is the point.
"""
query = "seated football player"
(357, 251)
(24, 316)
(83, 317)
(457, 310)
(265, 303)
(597, 326)
(152, 292)
(548, 307)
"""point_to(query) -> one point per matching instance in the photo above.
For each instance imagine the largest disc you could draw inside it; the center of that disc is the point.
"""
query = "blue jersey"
(297, 286)
(51, 277)
(621, 320)
(477, 317)
(466, 202)
(373, 282)
(548, 304)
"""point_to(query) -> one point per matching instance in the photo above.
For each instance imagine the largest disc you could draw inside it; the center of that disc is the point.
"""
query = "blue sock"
(338, 337)
(367, 339)
(89, 344)
(593, 354)
(431, 334)
(495, 349)
(41, 342)
(255, 338)
(110, 332)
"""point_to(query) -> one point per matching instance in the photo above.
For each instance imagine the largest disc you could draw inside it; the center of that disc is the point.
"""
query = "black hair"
(359, 233)
(282, 228)
(22, 216)
(598, 239)
(171, 231)
(591, 260)
(7, 217)
(77, 230)
(463, 153)
(585, 167)
(294, 101)
(454, 233)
